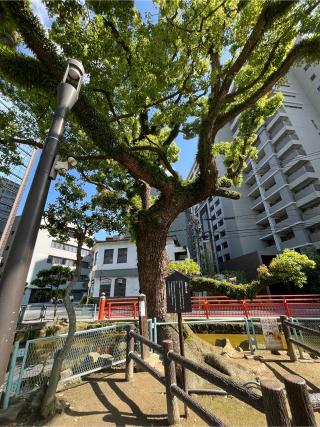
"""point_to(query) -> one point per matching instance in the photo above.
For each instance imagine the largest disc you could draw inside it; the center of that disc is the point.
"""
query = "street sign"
(178, 293)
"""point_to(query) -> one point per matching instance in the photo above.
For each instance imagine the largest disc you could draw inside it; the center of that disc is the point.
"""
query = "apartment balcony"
(267, 175)
(296, 158)
(301, 177)
(278, 206)
(250, 178)
(257, 204)
(274, 189)
(268, 234)
(280, 131)
(311, 222)
(287, 146)
(261, 163)
(308, 195)
(315, 236)
(280, 115)
(254, 190)
(262, 218)
(291, 243)
(311, 213)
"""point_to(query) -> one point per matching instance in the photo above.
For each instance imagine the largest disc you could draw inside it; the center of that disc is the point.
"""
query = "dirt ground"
(107, 399)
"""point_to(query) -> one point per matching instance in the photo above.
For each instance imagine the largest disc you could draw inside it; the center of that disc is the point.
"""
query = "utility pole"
(14, 276)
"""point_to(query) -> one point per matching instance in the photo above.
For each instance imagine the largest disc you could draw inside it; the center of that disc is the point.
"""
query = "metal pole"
(14, 276)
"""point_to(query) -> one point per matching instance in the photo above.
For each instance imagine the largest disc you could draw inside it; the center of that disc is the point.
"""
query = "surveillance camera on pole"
(12, 284)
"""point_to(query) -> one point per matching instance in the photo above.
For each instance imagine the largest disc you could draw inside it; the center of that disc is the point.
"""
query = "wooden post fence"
(171, 379)
(274, 401)
(299, 401)
(287, 335)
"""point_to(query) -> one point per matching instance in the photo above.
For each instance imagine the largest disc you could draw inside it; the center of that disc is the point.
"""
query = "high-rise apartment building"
(11, 190)
(280, 195)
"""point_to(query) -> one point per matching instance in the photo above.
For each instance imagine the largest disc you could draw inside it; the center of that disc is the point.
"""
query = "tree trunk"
(152, 268)
(48, 404)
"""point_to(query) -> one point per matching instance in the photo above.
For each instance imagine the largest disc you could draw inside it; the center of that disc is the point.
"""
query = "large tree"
(188, 68)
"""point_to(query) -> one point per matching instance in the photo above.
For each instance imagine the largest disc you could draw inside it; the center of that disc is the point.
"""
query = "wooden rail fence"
(272, 402)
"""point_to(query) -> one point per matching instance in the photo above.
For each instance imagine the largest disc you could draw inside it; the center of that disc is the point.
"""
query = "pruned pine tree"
(52, 282)
(187, 68)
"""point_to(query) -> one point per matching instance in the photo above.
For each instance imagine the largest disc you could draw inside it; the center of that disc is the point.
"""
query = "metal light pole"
(14, 276)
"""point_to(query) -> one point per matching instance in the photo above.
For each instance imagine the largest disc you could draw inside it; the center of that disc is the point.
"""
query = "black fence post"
(171, 379)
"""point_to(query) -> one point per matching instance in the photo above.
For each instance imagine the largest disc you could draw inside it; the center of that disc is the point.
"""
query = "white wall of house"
(114, 269)
(48, 252)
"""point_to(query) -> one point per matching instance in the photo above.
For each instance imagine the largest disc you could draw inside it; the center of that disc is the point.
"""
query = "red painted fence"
(220, 306)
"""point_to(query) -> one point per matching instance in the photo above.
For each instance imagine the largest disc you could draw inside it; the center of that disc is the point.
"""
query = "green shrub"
(231, 290)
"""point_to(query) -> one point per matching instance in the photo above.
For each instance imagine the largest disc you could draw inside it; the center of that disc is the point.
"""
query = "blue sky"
(187, 147)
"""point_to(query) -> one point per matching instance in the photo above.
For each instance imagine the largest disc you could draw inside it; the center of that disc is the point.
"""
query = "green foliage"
(288, 267)
(53, 278)
(217, 287)
(313, 284)
(87, 299)
(189, 267)
(238, 274)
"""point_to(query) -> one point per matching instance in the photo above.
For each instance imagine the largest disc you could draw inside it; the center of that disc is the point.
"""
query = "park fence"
(92, 350)
(272, 402)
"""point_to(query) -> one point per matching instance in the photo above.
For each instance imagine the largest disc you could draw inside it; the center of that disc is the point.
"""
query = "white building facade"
(280, 196)
(115, 272)
(49, 252)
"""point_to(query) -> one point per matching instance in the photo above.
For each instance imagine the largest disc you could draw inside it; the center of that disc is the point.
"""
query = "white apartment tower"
(280, 195)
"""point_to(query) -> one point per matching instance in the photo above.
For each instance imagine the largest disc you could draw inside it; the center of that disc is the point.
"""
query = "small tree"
(51, 281)
(188, 267)
(72, 214)
(288, 267)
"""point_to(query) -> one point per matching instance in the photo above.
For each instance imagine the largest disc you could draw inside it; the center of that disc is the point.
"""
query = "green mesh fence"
(92, 350)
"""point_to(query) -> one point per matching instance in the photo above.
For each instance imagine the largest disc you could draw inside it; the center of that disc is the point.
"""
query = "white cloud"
(40, 11)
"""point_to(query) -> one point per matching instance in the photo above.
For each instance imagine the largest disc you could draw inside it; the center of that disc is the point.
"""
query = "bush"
(231, 290)
(84, 300)
(238, 274)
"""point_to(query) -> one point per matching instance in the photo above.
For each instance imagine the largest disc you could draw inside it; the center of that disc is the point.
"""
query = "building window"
(313, 77)
(287, 236)
(220, 259)
(227, 257)
(218, 248)
(220, 222)
(219, 212)
(85, 264)
(225, 244)
(216, 237)
(61, 261)
(108, 256)
(95, 258)
(318, 88)
(122, 255)
(215, 227)
(223, 233)
(83, 278)
(306, 67)
(105, 286)
(120, 287)
(217, 202)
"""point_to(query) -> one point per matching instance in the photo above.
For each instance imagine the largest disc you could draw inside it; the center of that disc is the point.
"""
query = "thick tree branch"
(270, 12)
(306, 48)
(116, 35)
(29, 142)
(88, 117)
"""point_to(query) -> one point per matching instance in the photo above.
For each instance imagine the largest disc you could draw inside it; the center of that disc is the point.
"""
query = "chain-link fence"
(92, 350)
(305, 336)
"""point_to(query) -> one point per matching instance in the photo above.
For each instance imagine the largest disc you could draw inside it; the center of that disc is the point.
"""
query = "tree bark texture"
(152, 268)
(48, 404)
